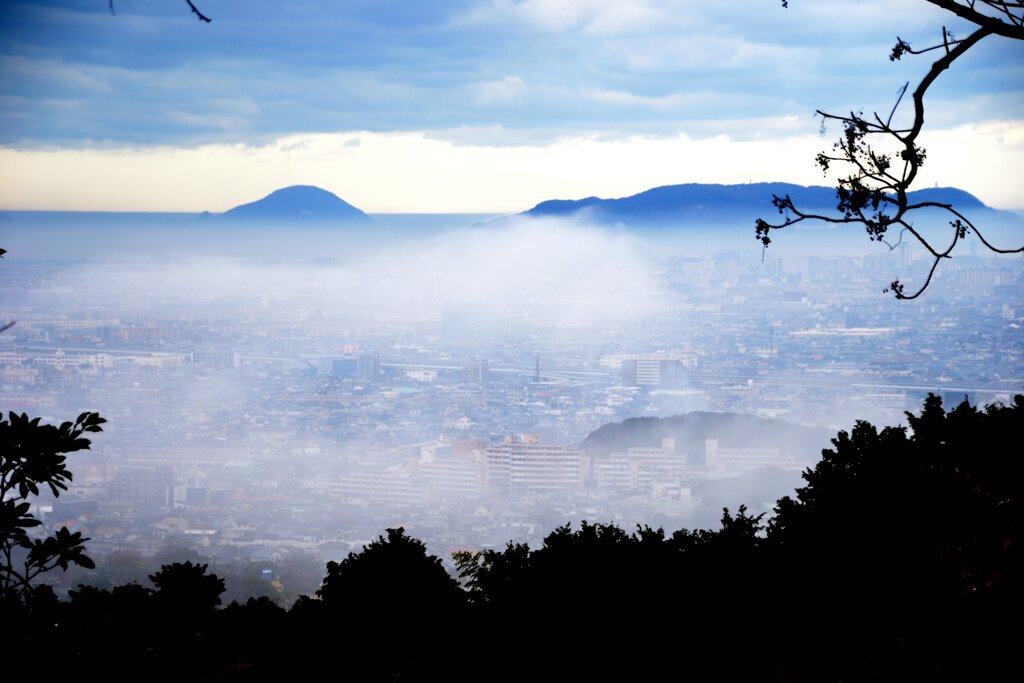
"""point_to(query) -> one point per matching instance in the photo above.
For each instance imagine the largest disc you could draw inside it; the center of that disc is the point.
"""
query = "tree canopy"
(394, 576)
(33, 459)
(186, 587)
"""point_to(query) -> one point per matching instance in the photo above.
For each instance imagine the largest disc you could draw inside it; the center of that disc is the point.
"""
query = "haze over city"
(475, 282)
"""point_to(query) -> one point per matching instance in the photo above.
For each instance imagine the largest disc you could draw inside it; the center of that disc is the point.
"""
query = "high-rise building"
(656, 370)
(528, 467)
(475, 371)
(143, 486)
(368, 367)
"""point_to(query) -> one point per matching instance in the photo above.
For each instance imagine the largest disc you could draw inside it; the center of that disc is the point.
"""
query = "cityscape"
(298, 408)
(522, 340)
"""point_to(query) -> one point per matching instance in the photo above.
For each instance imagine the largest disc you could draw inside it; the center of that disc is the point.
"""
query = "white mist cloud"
(568, 274)
(580, 272)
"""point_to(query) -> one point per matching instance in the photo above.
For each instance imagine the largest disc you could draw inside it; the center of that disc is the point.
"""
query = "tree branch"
(191, 6)
(1013, 29)
(937, 68)
(872, 195)
(195, 11)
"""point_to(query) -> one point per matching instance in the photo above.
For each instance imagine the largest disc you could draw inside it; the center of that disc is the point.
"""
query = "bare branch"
(903, 91)
(191, 6)
(937, 68)
(195, 11)
(1011, 27)
(897, 287)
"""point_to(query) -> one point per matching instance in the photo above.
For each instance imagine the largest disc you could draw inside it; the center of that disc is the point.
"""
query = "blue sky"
(469, 105)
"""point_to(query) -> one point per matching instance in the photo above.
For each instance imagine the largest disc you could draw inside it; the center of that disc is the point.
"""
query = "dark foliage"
(913, 532)
(897, 560)
(33, 460)
(186, 587)
(395, 604)
(393, 576)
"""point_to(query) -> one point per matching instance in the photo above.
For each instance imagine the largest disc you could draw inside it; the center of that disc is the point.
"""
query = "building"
(655, 370)
(528, 467)
(368, 368)
(732, 461)
(475, 371)
(143, 486)
(421, 375)
(446, 473)
(642, 470)
(370, 484)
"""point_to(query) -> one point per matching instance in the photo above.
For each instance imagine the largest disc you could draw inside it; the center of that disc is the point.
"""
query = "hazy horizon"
(471, 106)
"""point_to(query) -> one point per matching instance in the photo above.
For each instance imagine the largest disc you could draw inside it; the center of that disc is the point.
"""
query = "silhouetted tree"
(395, 576)
(183, 620)
(186, 587)
(944, 497)
(32, 458)
(913, 533)
(394, 605)
(873, 190)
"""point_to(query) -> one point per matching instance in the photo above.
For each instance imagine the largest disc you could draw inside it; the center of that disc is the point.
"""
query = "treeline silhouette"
(898, 560)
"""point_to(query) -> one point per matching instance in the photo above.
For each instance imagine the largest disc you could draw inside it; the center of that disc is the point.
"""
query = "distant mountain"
(706, 204)
(298, 203)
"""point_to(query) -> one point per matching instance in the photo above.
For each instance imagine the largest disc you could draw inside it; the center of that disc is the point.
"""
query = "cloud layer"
(152, 75)
(476, 170)
(150, 84)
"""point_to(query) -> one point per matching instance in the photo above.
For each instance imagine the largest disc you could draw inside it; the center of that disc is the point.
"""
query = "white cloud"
(713, 53)
(420, 172)
(208, 120)
(76, 78)
(497, 136)
(506, 91)
(674, 102)
(599, 17)
(519, 267)
(982, 158)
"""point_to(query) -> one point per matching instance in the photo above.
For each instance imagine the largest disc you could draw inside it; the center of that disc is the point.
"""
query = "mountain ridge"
(711, 202)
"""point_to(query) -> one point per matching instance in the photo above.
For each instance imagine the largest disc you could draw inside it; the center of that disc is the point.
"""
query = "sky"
(472, 105)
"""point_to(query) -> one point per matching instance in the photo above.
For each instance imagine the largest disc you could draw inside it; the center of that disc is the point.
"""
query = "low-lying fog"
(331, 370)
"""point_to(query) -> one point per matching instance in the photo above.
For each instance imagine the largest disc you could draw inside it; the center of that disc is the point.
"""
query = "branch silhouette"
(195, 10)
(874, 194)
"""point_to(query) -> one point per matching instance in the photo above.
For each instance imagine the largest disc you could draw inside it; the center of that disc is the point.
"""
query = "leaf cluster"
(33, 460)
(184, 586)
